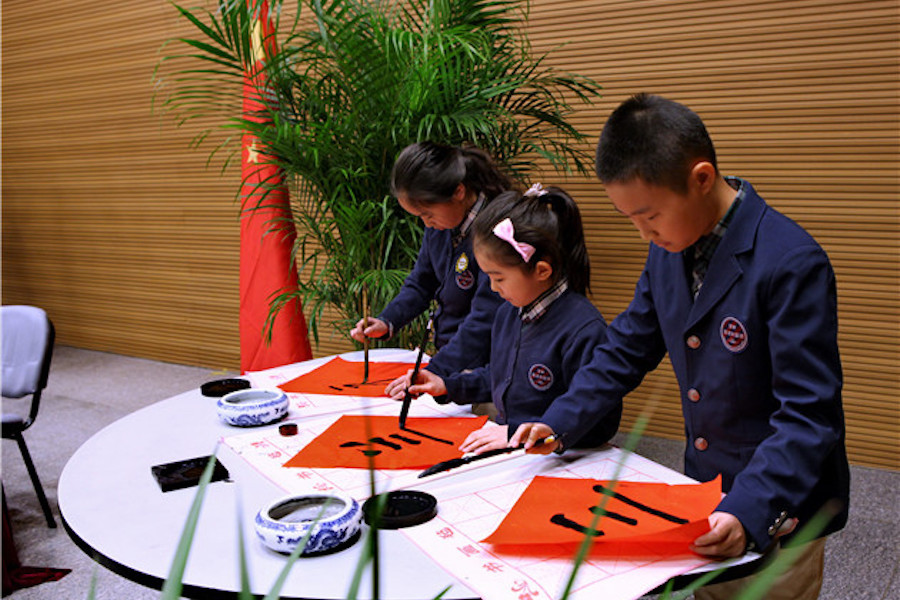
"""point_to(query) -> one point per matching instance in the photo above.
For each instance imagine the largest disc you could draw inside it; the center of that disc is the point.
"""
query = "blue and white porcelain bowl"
(248, 408)
(282, 524)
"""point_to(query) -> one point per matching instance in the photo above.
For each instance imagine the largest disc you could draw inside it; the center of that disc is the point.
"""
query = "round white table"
(113, 508)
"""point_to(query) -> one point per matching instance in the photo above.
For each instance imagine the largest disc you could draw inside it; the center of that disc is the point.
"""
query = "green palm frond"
(350, 83)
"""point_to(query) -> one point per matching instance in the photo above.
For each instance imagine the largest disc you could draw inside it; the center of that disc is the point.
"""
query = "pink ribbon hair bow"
(505, 231)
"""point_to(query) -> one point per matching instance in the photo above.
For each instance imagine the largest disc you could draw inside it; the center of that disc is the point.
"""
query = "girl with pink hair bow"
(532, 248)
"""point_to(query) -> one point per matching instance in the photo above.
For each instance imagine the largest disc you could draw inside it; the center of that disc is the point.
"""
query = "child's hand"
(376, 328)
(725, 539)
(529, 434)
(489, 437)
(426, 383)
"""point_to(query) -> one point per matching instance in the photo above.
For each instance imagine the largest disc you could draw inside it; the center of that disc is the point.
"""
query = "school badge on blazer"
(465, 280)
(733, 334)
(462, 263)
(540, 377)
(464, 277)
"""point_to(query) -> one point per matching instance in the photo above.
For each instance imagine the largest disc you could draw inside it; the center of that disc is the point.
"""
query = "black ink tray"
(403, 508)
(220, 387)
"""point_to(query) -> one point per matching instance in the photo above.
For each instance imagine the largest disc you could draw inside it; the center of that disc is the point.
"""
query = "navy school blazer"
(531, 365)
(466, 303)
(757, 363)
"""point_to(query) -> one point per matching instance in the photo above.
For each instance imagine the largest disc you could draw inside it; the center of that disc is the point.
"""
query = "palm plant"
(349, 83)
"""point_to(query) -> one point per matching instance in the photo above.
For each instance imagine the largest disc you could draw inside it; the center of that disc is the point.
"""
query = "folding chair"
(27, 346)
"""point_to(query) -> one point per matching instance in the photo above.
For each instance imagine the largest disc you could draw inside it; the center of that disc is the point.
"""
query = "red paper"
(346, 443)
(651, 517)
(344, 378)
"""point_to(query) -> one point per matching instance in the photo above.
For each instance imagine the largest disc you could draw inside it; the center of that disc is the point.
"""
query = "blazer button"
(693, 342)
(701, 444)
(693, 395)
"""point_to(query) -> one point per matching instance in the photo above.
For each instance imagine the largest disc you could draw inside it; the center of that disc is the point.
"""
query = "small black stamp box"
(186, 473)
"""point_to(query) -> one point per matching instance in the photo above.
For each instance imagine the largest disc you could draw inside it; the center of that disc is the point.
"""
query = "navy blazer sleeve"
(418, 289)
(470, 345)
(786, 467)
(470, 387)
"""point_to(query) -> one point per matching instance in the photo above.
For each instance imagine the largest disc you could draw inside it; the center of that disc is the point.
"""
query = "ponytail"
(482, 174)
(576, 262)
(546, 219)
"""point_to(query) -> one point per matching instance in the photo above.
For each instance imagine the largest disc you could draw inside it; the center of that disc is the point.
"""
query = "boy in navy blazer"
(744, 301)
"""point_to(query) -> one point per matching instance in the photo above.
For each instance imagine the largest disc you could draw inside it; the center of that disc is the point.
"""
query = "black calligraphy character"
(355, 386)
(561, 520)
(367, 452)
(612, 515)
(639, 506)
(384, 442)
(426, 436)
(370, 451)
(402, 438)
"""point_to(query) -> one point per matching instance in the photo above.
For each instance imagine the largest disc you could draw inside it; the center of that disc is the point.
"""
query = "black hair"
(653, 139)
(550, 222)
(428, 173)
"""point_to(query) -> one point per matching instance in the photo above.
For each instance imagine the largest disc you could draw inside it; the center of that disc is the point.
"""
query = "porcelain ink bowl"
(248, 408)
(282, 524)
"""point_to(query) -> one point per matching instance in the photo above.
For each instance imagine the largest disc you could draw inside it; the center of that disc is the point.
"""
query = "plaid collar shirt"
(460, 233)
(701, 253)
(538, 308)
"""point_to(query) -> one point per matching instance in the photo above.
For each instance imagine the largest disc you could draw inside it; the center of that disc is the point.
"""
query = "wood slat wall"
(110, 221)
(114, 225)
(801, 98)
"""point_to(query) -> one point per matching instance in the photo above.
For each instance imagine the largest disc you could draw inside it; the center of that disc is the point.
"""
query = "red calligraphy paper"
(352, 439)
(344, 378)
(655, 517)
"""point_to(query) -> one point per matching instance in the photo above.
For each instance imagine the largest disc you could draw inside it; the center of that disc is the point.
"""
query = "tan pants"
(802, 581)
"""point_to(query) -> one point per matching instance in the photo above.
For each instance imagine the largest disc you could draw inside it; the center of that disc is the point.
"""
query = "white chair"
(27, 346)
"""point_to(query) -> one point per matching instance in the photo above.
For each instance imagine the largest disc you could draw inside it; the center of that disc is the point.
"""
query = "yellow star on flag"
(253, 153)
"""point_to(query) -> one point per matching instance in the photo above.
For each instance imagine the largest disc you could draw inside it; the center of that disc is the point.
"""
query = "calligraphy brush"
(365, 307)
(464, 460)
(407, 397)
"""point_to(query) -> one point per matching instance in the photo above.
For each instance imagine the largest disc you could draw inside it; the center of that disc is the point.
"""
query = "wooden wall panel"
(801, 98)
(110, 221)
(116, 226)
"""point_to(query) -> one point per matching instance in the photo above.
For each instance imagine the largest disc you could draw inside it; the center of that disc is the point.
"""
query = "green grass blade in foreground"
(172, 588)
(275, 592)
(766, 579)
(370, 548)
(92, 590)
(630, 444)
(789, 554)
(244, 593)
(685, 593)
(369, 551)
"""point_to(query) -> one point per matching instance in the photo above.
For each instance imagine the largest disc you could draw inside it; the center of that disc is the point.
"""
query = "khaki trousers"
(802, 581)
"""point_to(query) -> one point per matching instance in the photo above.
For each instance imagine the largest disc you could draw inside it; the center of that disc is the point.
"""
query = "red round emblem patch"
(540, 376)
(465, 280)
(733, 334)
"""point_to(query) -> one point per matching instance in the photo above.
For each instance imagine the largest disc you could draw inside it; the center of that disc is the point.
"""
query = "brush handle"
(407, 397)
(365, 308)
(453, 463)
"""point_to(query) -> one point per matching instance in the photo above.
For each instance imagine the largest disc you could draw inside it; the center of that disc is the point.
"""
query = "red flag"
(267, 237)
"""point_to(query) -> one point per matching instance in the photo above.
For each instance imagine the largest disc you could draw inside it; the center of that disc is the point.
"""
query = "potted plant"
(346, 85)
